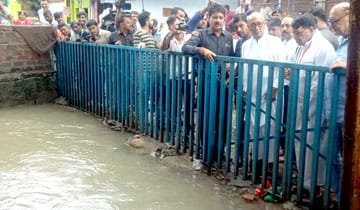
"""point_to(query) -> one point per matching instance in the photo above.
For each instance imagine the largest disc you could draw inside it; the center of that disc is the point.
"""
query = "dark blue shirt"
(222, 45)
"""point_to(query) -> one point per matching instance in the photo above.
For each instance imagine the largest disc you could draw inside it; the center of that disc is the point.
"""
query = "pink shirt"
(24, 23)
(228, 17)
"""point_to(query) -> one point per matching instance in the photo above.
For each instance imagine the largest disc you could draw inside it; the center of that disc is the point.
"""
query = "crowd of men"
(314, 38)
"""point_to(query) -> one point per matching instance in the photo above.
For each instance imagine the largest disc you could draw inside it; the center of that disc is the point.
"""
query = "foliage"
(32, 5)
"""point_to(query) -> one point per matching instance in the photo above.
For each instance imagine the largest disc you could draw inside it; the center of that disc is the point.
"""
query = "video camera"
(123, 5)
(183, 26)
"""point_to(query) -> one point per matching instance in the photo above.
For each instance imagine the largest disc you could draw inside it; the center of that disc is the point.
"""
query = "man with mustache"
(213, 40)
(209, 43)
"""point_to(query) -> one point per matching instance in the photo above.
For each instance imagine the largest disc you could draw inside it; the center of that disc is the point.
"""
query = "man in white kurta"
(261, 46)
(313, 49)
(289, 43)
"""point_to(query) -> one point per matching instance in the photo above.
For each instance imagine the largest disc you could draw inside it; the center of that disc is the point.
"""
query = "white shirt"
(268, 48)
(289, 47)
(175, 46)
(41, 16)
(319, 52)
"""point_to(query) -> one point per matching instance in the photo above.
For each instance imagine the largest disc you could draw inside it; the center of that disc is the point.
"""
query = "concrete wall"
(25, 77)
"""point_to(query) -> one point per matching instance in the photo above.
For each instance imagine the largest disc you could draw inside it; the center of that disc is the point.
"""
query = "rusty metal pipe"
(350, 193)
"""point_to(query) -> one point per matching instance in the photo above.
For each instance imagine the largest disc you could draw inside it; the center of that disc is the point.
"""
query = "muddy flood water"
(54, 157)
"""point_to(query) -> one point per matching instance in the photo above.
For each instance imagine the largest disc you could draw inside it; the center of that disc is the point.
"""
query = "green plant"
(33, 5)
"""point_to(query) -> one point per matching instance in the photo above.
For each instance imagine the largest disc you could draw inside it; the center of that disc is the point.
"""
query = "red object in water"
(259, 192)
(268, 184)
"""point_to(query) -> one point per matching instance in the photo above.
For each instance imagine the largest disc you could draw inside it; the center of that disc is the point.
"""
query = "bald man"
(287, 37)
(339, 23)
(261, 46)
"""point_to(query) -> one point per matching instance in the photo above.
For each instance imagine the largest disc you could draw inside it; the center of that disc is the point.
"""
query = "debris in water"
(137, 142)
(165, 150)
(197, 165)
(61, 101)
(248, 197)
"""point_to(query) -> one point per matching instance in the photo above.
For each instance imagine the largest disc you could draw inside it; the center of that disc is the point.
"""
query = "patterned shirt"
(144, 39)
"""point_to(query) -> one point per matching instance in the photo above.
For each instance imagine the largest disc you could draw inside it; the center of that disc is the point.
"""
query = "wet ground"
(54, 157)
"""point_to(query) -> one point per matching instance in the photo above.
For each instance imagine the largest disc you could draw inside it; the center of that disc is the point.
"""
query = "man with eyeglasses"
(315, 50)
(339, 23)
(261, 46)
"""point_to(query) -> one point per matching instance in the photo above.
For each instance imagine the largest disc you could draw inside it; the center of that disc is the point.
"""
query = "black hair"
(47, 12)
(216, 8)
(81, 13)
(274, 22)
(61, 25)
(305, 21)
(231, 27)
(22, 12)
(239, 17)
(91, 22)
(155, 22)
(58, 15)
(74, 23)
(171, 20)
(227, 6)
(320, 13)
(120, 19)
(175, 10)
(276, 11)
(143, 17)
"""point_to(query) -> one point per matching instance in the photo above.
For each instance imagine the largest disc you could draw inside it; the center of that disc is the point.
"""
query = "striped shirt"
(144, 39)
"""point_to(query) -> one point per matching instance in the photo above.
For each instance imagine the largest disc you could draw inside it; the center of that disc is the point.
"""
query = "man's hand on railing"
(208, 54)
(273, 94)
(338, 65)
(119, 42)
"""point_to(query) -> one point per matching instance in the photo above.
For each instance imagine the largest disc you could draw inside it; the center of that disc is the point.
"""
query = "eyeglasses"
(332, 21)
(258, 24)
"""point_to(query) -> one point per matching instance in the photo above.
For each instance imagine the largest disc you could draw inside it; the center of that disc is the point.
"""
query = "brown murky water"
(54, 157)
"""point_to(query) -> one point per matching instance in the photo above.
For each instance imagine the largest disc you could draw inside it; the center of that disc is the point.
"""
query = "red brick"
(19, 63)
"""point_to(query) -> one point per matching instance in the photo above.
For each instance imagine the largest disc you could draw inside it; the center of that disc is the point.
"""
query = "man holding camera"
(177, 37)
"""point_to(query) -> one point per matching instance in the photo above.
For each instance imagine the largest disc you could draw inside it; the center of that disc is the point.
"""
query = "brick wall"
(25, 77)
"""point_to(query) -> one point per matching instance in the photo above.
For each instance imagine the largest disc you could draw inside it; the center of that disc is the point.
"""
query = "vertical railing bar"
(255, 144)
(229, 117)
(247, 119)
(317, 136)
(239, 144)
(303, 138)
(332, 127)
(221, 115)
(290, 131)
(266, 142)
(200, 107)
(212, 112)
(192, 111)
(179, 102)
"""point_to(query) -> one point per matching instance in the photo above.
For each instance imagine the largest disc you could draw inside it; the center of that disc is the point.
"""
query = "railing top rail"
(238, 60)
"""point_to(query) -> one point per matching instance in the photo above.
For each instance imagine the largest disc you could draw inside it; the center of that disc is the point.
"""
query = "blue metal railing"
(228, 113)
